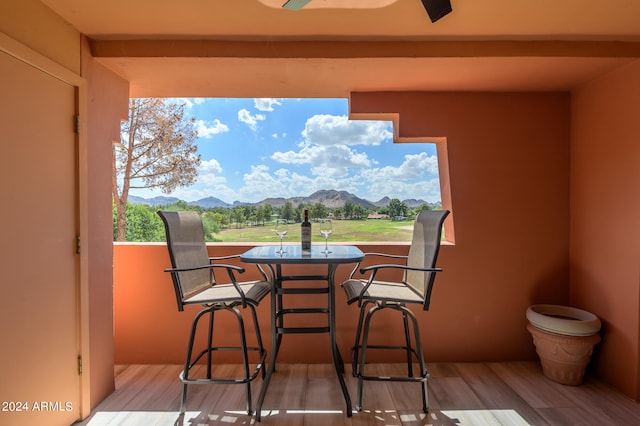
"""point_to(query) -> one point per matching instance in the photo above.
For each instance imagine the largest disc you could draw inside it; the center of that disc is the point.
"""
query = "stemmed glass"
(326, 228)
(282, 226)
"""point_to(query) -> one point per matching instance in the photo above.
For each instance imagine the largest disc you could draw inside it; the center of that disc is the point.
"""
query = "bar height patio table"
(294, 255)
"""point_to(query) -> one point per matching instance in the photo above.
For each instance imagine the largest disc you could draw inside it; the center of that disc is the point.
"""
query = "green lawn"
(343, 231)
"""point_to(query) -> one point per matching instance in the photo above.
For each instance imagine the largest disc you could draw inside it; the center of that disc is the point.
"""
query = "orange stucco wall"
(55, 38)
(605, 224)
(107, 104)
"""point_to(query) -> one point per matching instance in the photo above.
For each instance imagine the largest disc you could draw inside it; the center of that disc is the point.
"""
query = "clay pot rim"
(563, 320)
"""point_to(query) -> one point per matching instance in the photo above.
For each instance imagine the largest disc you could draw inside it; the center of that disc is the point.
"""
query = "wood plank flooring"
(514, 393)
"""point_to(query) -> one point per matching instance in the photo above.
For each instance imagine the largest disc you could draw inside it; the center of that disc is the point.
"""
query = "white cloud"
(250, 120)
(210, 173)
(339, 130)
(260, 184)
(210, 166)
(415, 166)
(335, 160)
(417, 177)
(207, 129)
(266, 104)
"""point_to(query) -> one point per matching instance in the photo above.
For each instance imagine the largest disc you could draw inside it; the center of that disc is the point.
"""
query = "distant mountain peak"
(328, 197)
(209, 203)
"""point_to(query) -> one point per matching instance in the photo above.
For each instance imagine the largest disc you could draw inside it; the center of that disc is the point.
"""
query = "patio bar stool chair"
(372, 296)
(193, 274)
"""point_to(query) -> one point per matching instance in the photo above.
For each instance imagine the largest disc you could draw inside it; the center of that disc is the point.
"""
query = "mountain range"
(329, 198)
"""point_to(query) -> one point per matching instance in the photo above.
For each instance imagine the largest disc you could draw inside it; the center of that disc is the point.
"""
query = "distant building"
(376, 215)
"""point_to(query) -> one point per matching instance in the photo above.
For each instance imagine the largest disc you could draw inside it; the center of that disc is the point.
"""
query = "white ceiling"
(467, 54)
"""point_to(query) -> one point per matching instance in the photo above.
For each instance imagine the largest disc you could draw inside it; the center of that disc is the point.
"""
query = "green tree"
(423, 206)
(211, 226)
(348, 209)
(237, 215)
(318, 211)
(267, 211)
(397, 208)
(143, 224)
(286, 211)
(157, 149)
(250, 214)
(358, 211)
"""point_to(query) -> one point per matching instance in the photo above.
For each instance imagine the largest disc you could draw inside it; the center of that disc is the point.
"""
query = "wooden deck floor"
(308, 394)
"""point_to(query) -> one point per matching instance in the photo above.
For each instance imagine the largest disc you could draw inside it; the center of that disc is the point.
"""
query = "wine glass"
(326, 228)
(282, 226)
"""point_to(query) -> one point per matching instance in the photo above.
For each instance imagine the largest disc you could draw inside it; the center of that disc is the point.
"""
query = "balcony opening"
(268, 158)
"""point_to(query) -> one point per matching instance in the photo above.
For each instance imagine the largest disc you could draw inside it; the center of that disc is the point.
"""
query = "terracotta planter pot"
(563, 320)
(564, 338)
(564, 358)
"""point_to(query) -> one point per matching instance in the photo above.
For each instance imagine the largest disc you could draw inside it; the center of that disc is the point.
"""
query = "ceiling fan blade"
(437, 8)
(295, 4)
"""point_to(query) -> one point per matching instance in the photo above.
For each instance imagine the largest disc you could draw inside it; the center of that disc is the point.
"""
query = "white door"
(39, 327)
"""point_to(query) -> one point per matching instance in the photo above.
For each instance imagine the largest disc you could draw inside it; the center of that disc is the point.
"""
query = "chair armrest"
(396, 266)
(394, 256)
(237, 256)
(210, 266)
(231, 256)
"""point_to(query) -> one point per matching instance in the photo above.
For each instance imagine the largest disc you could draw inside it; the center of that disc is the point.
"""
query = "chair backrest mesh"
(423, 253)
(187, 249)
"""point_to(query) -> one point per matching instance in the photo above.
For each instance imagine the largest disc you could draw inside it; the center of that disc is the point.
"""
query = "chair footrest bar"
(303, 290)
(404, 348)
(222, 381)
(225, 349)
(302, 311)
(394, 379)
(259, 365)
(302, 330)
(303, 278)
(219, 381)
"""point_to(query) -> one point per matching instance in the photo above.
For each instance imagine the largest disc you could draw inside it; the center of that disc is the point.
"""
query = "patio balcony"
(490, 386)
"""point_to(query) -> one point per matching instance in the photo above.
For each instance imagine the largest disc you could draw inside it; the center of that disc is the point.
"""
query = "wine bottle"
(305, 228)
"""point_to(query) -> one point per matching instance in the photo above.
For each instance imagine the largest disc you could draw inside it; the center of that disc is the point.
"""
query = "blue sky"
(258, 148)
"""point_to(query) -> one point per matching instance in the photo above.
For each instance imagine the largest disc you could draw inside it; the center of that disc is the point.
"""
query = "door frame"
(46, 65)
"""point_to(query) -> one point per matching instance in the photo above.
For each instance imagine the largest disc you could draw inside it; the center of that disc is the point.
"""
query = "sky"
(257, 148)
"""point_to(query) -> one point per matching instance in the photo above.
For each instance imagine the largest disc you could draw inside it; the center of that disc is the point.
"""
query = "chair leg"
(210, 345)
(256, 326)
(245, 357)
(407, 338)
(183, 399)
(419, 354)
(184, 376)
(363, 354)
(356, 347)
